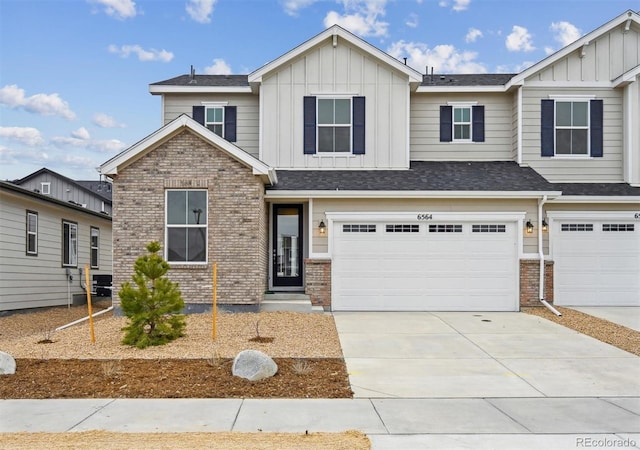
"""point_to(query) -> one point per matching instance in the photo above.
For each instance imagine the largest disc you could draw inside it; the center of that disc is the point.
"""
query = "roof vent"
(192, 76)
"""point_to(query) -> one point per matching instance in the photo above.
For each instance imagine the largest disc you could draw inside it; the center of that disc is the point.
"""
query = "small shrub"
(301, 367)
(46, 334)
(110, 368)
(153, 307)
(215, 360)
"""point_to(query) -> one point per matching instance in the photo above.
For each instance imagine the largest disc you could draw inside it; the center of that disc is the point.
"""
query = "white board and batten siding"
(39, 281)
(343, 70)
(439, 262)
(596, 257)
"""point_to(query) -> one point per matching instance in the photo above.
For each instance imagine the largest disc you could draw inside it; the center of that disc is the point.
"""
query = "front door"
(287, 245)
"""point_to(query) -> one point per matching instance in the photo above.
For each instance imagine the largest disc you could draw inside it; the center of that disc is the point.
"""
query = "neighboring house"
(94, 195)
(45, 244)
(338, 170)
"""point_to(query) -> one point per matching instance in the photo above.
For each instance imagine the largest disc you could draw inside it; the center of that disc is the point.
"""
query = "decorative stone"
(7, 364)
(253, 365)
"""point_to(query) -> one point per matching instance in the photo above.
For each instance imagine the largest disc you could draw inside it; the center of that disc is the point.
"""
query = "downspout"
(541, 202)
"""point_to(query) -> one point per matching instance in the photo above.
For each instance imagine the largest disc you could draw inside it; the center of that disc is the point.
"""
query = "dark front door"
(286, 256)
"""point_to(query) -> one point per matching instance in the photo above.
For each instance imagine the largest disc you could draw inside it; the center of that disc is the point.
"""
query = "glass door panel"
(287, 245)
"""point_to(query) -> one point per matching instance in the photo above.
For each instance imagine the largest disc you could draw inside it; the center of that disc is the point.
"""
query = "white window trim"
(72, 255)
(34, 233)
(334, 154)
(45, 188)
(167, 226)
(92, 248)
(572, 99)
(213, 105)
(459, 105)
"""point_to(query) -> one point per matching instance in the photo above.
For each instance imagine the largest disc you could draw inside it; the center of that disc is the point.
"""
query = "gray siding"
(37, 281)
(248, 122)
(425, 129)
(609, 168)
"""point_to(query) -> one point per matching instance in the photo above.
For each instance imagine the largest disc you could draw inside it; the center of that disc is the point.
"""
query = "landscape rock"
(7, 364)
(253, 365)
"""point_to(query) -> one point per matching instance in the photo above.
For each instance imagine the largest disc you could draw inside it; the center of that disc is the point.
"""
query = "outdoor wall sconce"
(545, 225)
(529, 227)
(322, 227)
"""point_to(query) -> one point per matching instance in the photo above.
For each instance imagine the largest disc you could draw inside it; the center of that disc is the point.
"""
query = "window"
(214, 120)
(334, 125)
(95, 247)
(445, 228)
(32, 233)
(461, 123)
(489, 228)
(186, 220)
(69, 244)
(571, 127)
(618, 227)
(45, 188)
(402, 228)
(576, 227)
(357, 228)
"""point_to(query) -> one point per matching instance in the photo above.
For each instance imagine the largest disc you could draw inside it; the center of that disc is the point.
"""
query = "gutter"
(541, 202)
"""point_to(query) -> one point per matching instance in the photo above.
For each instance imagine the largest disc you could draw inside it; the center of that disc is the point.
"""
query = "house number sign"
(425, 216)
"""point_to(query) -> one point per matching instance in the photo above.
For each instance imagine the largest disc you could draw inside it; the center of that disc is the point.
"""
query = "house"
(339, 171)
(46, 242)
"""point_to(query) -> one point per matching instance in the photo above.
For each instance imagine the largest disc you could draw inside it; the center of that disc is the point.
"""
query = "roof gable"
(173, 128)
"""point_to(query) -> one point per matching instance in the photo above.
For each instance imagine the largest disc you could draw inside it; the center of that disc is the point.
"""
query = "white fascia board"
(450, 89)
(435, 216)
(334, 32)
(411, 194)
(596, 199)
(592, 215)
(571, 84)
(168, 89)
(627, 78)
(586, 39)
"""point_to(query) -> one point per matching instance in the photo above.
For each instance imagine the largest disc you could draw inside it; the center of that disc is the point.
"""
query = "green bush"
(153, 307)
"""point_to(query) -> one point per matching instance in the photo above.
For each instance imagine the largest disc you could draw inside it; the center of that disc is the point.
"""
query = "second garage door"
(453, 266)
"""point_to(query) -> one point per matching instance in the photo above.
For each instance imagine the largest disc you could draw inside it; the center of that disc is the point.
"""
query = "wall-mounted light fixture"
(545, 225)
(322, 227)
(529, 227)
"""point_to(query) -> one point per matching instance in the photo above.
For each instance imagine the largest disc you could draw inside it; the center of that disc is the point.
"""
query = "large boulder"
(7, 364)
(253, 365)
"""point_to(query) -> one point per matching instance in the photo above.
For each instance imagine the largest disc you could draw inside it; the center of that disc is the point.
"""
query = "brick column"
(318, 281)
(529, 282)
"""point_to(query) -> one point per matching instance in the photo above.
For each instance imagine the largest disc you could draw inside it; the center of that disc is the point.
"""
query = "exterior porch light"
(529, 227)
(545, 225)
(322, 227)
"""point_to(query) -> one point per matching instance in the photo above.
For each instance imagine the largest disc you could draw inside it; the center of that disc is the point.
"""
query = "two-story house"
(340, 171)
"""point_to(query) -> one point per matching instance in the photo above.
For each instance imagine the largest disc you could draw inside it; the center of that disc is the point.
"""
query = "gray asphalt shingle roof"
(481, 79)
(206, 80)
(598, 189)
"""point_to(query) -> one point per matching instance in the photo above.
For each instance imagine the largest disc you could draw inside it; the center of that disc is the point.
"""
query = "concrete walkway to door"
(478, 355)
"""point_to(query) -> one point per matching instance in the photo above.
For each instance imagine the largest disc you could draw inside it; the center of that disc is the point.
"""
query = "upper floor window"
(32, 233)
(219, 118)
(95, 247)
(461, 122)
(69, 244)
(334, 125)
(571, 127)
(214, 119)
(186, 226)
(45, 188)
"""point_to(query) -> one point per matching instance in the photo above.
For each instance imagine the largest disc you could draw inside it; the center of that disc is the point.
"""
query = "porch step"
(289, 301)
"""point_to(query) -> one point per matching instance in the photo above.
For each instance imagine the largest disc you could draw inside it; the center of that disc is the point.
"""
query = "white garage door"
(451, 266)
(597, 263)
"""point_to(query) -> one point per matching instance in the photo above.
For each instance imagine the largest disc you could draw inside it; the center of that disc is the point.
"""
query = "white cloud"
(104, 121)
(361, 17)
(120, 9)
(519, 40)
(458, 5)
(565, 33)
(81, 133)
(24, 135)
(200, 10)
(472, 35)
(219, 67)
(103, 145)
(549, 50)
(44, 104)
(443, 58)
(291, 7)
(10, 156)
(143, 55)
(412, 20)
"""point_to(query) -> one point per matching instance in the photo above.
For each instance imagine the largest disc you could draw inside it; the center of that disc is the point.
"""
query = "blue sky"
(74, 74)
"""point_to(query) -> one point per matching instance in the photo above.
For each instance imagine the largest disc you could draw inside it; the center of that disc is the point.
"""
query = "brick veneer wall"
(237, 232)
(318, 281)
(530, 279)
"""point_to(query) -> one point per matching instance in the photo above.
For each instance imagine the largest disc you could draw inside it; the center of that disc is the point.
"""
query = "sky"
(75, 74)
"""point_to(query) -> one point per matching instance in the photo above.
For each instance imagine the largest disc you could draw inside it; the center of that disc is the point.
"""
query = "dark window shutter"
(358, 125)
(597, 144)
(547, 130)
(198, 114)
(230, 114)
(446, 123)
(477, 131)
(309, 112)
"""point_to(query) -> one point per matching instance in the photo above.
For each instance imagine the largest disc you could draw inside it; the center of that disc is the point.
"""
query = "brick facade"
(530, 279)
(237, 226)
(318, 281)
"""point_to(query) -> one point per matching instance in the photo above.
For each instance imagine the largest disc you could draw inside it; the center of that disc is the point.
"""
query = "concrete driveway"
(478, 355)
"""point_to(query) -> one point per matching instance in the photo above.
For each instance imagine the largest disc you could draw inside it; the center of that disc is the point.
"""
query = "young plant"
(153, 307)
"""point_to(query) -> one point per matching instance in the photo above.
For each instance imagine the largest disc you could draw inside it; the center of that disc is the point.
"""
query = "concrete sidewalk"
(628, 316)
(523, 423)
